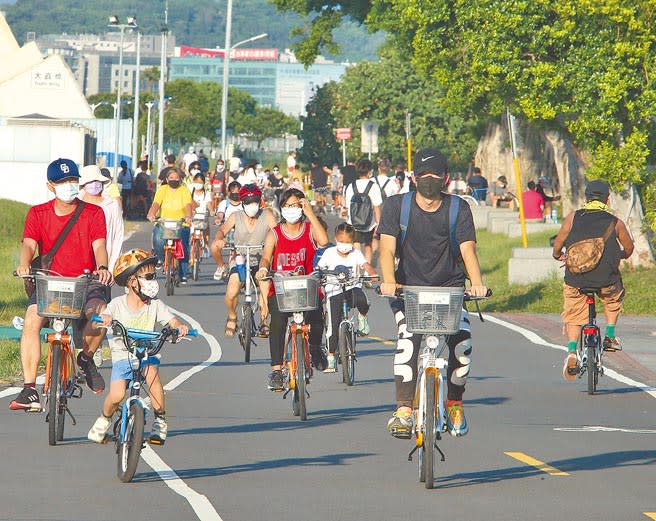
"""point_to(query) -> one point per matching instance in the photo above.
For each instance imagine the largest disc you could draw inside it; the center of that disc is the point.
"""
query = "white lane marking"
(201, 505)
(9, 391)
(599, 428)
(537, 339)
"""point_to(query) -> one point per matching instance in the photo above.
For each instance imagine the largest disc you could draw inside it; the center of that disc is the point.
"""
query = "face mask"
(198, 186)
(149, 288)
(344, 247)
(251, 209)
(430, 187)
(292, 215)
(195, 171)
(93, 188)
(67, 192)
(234, 197)
(174, 184)
(220, 168)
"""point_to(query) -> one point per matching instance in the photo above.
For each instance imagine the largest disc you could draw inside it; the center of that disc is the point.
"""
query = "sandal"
(263, 332)
(231, 326)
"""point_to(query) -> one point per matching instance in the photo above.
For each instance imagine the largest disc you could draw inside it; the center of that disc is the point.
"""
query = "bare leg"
(30, 344)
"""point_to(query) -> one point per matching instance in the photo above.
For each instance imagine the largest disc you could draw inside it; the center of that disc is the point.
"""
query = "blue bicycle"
(129, 427)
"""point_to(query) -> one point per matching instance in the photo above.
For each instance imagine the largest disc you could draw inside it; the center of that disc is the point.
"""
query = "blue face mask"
(66, 192)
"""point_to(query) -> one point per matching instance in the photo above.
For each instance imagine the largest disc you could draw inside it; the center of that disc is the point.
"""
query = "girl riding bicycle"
(139, 309)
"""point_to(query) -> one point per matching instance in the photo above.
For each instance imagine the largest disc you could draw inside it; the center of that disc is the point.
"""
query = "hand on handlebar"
(477, 291)
(261, 273)
(388, 289)
(104, 276)
(23, 271)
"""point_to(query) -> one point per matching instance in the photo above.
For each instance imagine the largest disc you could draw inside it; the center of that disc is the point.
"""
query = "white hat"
(91, 173)
(191, 149)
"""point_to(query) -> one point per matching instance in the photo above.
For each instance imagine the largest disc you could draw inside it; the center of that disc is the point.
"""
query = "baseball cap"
(597, 190)
(61, 169)
(429, 160)
(91, 173)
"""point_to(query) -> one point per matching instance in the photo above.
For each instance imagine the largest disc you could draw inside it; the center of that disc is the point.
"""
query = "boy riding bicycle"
(138, 309)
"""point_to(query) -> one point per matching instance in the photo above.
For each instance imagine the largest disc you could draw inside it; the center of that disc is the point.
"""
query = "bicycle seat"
(589, 291)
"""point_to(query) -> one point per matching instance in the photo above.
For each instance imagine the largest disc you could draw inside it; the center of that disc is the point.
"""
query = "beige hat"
(91, 173)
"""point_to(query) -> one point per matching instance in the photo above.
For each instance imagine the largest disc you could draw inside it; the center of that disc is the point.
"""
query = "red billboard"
(343, 134)
(269, 55)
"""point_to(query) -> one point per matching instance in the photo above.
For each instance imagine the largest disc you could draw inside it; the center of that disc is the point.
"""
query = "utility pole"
(162, 79)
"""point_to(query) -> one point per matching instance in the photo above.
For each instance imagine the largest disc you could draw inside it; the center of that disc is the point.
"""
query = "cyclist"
(344, 256)
(250, 226)
(84, 248)
(589, 222)
(226, 208)
(426, 259)
(202, 203)
(291, 246)
(319, 176)
(172, 201)
(277, 182)
(139, 309)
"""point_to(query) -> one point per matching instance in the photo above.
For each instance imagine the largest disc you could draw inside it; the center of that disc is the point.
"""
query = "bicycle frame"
(430, 362)
(290, 362)
(590, 342)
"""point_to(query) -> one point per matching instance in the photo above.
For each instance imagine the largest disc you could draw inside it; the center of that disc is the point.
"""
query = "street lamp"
(227, 51)
(162, 79)
(135, 117)
(114, 23)
(94, 106)
(149, 141)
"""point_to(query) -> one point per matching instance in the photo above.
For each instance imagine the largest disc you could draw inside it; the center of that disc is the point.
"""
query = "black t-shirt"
(319, 178)
(425, 257)
(477, 182)
(348, 175)
(275, 182)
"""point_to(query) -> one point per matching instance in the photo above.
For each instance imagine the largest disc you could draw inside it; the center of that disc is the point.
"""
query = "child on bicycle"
(138, 309)
(344, 256)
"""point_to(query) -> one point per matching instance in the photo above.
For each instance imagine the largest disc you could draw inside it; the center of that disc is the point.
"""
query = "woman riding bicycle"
(202, 204)
(290, 246)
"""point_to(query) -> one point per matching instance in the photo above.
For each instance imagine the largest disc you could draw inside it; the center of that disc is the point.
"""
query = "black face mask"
(174, 184)
(430, 187)
(234, 197)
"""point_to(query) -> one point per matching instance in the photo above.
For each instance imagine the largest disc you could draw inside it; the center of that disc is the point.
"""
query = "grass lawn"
(12, 296)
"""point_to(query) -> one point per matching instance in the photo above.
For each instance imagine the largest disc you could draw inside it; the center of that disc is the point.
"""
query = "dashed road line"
(540, 465)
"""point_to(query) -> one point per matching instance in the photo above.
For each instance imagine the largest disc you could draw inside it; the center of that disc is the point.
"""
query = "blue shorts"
(122, 370)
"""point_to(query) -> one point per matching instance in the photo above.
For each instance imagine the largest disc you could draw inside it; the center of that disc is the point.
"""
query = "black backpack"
(361, 209)
(382, 187)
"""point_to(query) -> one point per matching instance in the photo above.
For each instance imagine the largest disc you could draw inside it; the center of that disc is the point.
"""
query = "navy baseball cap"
(61, 169)
(429, 160)
(597, 190)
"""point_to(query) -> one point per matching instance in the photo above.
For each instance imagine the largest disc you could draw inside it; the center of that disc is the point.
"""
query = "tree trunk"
(627, 206)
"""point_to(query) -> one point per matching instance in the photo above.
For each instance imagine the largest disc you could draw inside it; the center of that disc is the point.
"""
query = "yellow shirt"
(112, 190)
(172, 202)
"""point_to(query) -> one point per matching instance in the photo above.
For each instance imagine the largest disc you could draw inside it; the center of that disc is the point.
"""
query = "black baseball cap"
(597, 190)
(429, 160)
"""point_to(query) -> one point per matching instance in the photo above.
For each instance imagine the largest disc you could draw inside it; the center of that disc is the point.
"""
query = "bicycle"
(128, 432)
(197, 246)
(61, 299)
(433, 312)
(171, 233)
(347, 330)
(247, 329)
(589, 351)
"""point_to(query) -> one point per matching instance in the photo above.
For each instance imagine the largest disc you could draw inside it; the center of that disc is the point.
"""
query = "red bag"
(179, 250)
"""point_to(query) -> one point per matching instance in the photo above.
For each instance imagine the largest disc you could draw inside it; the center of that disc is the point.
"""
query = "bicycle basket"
(60, 297)
(433, 310)
(296, 293)
(200, 224)
(171, 230)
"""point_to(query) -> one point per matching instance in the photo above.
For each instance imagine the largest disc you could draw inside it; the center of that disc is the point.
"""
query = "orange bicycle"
(197, 246)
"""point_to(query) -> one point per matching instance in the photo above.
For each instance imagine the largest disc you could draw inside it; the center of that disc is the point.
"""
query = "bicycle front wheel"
(54, 395)
(346, 345)
(298, 399)
(427, 451)
(246, 331)
(129, 448)
(170, 283)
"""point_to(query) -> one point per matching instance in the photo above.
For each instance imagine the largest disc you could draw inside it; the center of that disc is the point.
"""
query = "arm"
(559, 241)
(100, 255)
(387, 251)
(318, 233)
(28, 248)
(470, 258)
(224, 230)
(369, 269)
(152, 213)
(624, 238)
(190, 213)
(377, 214)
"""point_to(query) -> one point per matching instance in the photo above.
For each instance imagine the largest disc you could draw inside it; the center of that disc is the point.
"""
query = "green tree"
(267, 122)
(319, 125)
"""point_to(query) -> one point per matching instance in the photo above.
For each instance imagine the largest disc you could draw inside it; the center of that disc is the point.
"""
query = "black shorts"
(364, 237)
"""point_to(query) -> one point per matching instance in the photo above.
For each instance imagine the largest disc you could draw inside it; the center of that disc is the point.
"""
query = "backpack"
(454, 208)
(584, 256)
(141, 184)
(361, 209)
(383, 195)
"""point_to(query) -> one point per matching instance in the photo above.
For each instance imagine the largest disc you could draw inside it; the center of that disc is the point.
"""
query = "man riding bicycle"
(83, 248)
(426, 259)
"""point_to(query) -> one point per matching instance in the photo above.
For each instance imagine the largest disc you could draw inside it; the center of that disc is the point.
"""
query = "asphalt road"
(538, 448)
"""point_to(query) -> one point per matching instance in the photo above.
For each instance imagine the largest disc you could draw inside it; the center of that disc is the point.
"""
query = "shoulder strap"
(354, 184)
(366, 190)
(385, 183)
(610, 229)
(454, 208)
(405, 215)
(47, 258)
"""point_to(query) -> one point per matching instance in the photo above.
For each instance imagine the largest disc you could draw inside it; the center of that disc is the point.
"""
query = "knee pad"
(462, 352)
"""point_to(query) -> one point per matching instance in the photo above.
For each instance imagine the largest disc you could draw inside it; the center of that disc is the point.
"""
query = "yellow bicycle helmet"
(129, 263)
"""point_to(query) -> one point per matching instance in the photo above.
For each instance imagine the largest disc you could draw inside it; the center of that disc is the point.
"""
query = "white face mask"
(220, 168)
(149, 288)
(198, 186)
(292, 215)
(344, 247)
(67, 192)
(251, 209)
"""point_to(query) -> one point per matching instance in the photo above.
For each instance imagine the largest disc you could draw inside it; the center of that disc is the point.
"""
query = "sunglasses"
(147, 276)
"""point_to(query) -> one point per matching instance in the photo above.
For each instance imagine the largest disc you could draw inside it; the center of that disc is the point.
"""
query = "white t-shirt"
(189, 158)
(387, 185)
(145, 318)
(331, 259)
(374, 194)
(228, 209)
(291, 164)
(247, 177)
(203, 199)
(235, 163)
(457, 186)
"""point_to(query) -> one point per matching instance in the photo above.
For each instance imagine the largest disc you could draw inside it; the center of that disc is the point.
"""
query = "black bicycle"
(589, 350)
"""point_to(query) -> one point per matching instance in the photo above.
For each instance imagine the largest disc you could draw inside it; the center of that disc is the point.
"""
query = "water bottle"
(240, 263)
(554, 215)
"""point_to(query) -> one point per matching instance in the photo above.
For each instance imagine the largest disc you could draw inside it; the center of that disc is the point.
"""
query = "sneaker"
(570, 368)
(331, 364)
(27, 400)
(319, 360)
(183, 280)
(363, 325)
(276, 381)
(401, 423)
(612, 344)
(98, 357)
(219, 273)
(98, 431)
(93, 378)
(158, 431)
(456, 423)
(159, 265)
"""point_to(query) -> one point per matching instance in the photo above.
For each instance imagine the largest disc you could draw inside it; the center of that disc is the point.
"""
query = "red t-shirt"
(76, 253)
(532, 202)
(292, 252)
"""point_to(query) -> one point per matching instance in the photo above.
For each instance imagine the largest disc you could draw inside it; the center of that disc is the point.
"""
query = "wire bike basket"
(200, 224)
(171, 229)
(296, 293)
(60, 297)
(433, 310)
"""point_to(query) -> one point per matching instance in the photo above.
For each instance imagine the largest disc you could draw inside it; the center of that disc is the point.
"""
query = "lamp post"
(149, 140)
(135, 117)
(94, 106)
(162, 78)
(227, 51)
(115, 24)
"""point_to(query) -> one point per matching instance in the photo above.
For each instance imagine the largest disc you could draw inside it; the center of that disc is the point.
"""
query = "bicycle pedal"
(35, 409)
(156, 441)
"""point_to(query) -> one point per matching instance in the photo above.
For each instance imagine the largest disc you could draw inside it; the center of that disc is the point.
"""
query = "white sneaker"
(218, 274)
(331, 364)
(98, 356)
(158, 431)
(98, 431)
(363, 325)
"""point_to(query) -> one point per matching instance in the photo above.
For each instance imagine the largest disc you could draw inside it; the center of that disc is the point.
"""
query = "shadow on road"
(617, 390)
(373, 381)
(488, 400)
(319, 461)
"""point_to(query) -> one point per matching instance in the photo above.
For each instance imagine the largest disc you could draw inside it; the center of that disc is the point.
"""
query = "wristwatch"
(102, 268)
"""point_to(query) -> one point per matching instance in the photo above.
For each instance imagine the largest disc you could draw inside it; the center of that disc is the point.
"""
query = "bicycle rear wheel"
(170, 283)
(196, 260)
(427, 451)
(54, 395)
(591, 347)
(346, 344)
(298, 398)
(129, 448)
(246, 331)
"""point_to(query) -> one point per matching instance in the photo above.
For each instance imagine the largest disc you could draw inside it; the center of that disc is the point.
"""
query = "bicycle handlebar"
(467, 296)
(91, 276)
